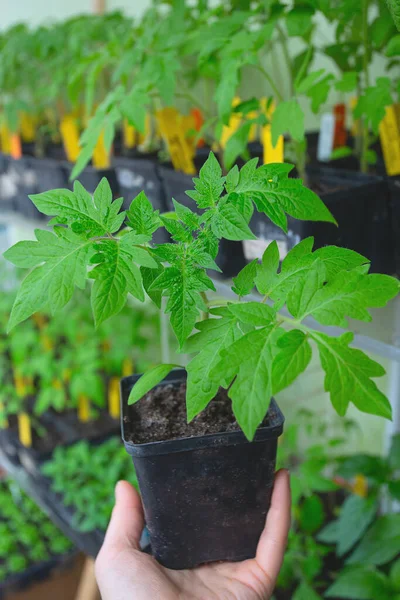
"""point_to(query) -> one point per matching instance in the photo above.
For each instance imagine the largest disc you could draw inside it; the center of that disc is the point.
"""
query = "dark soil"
(161, 416)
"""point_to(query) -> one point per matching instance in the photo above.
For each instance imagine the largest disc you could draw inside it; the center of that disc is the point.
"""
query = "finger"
(272, 544)
(127, 520)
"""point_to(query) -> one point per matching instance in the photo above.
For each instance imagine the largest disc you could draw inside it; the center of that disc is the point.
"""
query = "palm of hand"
(125, 573)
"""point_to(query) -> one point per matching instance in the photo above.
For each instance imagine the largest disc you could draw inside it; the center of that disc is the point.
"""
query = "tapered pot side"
(205, 497)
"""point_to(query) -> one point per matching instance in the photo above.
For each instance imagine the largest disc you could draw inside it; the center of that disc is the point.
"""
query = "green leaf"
(288, 117)
(299, 20)
(188, 217)
(360, 583)
(114, 277)
(394, 8)
(395, 575)
(229, 223)
(341, 152)
(253, 313)
(214, 336)
(140, 255)
(133, 108)
(142, 217)
(210, 184)
(394, 489)
(382, 29)
(305, 592)
(303, 293)
(148, 381)
(319, 92)
(149, 276)
(349, 294)
(355, 517)
(348, 373)
(65, 265)
(372, 103)
(311, 515)
(393, 47)
(329, 534)
(249, 361)
(267, 275)
(92, 215)
(178, 231)
(183, 288)
(237, 144)
(348, 83)
(292, 359)
(308, 81)
(244, 281)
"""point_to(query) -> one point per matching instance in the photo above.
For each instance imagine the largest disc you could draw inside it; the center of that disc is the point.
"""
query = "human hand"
(125, 573)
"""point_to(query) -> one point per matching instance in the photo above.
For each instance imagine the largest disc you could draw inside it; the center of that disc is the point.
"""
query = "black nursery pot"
(206, 497)
(91, 177)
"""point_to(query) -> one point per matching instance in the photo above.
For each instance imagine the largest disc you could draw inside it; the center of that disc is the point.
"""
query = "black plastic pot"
(135, 175)
(230, 258)
(22, 175)
(91, 177)
(50, 174)
(361, 205)
(394, 192)
(205, 498)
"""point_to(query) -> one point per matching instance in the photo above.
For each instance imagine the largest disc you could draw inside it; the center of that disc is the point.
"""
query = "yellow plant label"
(70, 137)
(360, 486)
(234, 122)
(127, 367)
(389, 133)
(181, 153)
(4, 420)
(25, 430)
(113, 398)
(27, 125)
(19, 385)
(129, 135)
(101, 158)
(143, 137)
(271, 154)
(5, 139)
(83, 408)
(355, 125)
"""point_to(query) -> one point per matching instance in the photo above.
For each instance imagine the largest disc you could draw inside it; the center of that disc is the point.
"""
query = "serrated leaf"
(209, 185)
(142, 217)
(394, 8)
(249, 361)
(373, 102)
(380, 544)
(54, 281)
(114, 278)
(178, 231)
(79, 207)
(244, 281)
(229, 223)
(149, 276)
(360, 583)
(253, 313)
(302, 294)
(288, 117)
(350, 294)
(292, 359)
(200, 386)
(355, 517)
(348, 374)
(267, 276)
(188, 217)
(183, 288)
(141, 256)
(148, 381)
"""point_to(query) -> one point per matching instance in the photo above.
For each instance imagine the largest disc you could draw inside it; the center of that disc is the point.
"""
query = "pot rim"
(184, 444)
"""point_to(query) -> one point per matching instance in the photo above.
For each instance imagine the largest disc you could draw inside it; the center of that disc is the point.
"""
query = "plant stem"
(365, 6)
(270, 81)
(287, 58)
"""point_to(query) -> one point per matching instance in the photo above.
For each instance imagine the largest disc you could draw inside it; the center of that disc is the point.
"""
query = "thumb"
(127, 520)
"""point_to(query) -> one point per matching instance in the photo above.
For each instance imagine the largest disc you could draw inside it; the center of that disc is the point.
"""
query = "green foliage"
(27, 536)
(86, 476)
(251, 354)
